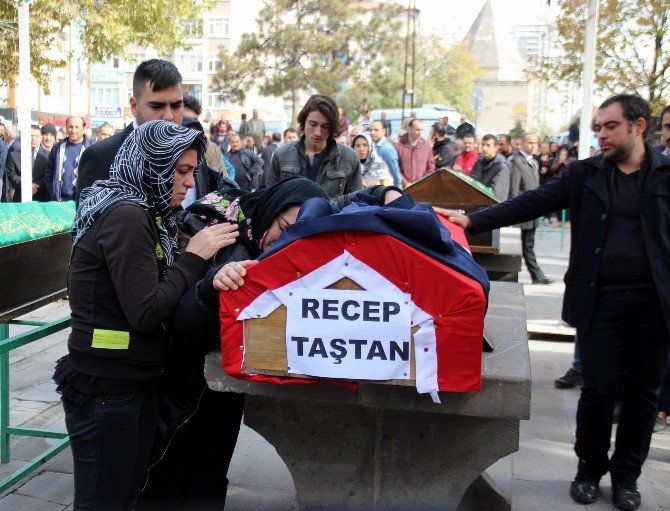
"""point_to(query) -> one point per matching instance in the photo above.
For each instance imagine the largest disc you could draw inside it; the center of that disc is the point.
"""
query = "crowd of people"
(171, 214)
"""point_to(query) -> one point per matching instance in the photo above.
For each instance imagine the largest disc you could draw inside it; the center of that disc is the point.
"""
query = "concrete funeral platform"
(387, 447)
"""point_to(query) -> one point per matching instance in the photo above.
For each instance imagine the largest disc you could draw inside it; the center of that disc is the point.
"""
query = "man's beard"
(620, 153)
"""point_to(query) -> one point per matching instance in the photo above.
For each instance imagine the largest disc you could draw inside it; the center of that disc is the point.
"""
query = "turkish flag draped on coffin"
(403, 248)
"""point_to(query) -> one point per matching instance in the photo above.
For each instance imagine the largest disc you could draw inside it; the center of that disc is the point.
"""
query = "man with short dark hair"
(266, 154)
(443, 123)
(465, 161)
(39, 163)
(415, 156)
(505, 146)
(256, 128)
(157, 95)
(443, 151)
(464, 128)
(617, 289)
(105, 131)
(365, 121)
(49, 134)
(491, 169)
(247, 164)
(62, 167)
(291, 135)
(316, 155)
(525, 175)
(385, 149)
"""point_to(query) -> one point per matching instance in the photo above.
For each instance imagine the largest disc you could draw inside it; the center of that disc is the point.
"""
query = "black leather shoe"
(584, 491)
(569, 380)
(543, 280)
(625, 494)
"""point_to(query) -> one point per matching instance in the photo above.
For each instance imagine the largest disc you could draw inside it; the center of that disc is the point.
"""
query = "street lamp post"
(23, 103)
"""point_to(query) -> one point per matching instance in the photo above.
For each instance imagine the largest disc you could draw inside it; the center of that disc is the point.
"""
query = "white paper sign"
(351, 334)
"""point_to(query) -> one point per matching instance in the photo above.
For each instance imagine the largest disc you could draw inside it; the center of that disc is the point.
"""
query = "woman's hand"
(454, 216)
(210, 240)
(231, 275)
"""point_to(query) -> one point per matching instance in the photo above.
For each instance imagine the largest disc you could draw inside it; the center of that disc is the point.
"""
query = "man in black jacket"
(491, 168)
(39, 163)
(617, 289)
(157, 95)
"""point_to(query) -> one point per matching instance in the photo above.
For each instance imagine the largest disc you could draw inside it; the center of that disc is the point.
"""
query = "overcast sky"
(453, 18)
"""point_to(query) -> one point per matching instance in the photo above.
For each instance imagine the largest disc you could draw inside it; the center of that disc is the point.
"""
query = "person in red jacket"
(468, 157)
(415, 156)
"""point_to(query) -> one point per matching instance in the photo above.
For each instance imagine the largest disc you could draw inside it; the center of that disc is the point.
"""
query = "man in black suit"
(157, 95)
(39, 162)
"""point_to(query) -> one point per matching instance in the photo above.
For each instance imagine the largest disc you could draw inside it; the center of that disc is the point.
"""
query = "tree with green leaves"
(443, 76)
(310, 45)
(632, 50)
(107, 27)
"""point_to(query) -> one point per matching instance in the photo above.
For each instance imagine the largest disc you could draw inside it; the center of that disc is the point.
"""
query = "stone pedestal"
(386, 447)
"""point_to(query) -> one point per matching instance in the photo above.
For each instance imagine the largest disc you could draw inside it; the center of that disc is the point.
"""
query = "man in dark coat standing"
(525, 175)
(617, 289)
(39, 163)
(157, 95)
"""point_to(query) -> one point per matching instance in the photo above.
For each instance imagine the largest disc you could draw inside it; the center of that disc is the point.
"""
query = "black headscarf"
(254, 212)
(263, 206)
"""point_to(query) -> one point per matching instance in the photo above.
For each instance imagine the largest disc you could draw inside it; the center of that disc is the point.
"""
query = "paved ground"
(541, 469)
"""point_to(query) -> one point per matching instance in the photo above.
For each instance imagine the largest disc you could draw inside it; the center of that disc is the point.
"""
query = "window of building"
(135, 58)
(193, 28)
(105, 96)
(214, 64)
(194, 89)
(61, 87)
(218, 27)
(215, 101)
(190, 62)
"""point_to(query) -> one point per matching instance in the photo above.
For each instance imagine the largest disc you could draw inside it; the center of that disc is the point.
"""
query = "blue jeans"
(576, 362)
(111, 437)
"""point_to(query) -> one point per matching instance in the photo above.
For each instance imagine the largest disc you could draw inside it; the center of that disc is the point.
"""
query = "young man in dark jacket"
(491, 168)
(617, 289)
(316, 155)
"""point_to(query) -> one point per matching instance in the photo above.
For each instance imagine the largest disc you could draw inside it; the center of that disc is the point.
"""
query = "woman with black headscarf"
(201, 426)
(126, 278)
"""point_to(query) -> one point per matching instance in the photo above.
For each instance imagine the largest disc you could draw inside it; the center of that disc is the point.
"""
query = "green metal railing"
(561, 229)
(8, 344)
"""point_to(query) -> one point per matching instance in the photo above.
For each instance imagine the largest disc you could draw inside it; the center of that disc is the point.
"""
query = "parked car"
(429, 114)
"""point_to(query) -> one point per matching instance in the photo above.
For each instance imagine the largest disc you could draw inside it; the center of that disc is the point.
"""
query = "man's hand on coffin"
(455, 217)
(231, 275)
(207, 242)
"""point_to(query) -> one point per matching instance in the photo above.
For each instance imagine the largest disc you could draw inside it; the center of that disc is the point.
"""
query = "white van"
(429, 114)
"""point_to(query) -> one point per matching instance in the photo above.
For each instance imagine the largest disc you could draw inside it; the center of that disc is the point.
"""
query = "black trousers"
(111, 438)
(624, 353)
(664, 403)
(528, 252)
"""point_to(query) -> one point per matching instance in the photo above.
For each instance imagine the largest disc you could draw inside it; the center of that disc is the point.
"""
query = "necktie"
(34, 154)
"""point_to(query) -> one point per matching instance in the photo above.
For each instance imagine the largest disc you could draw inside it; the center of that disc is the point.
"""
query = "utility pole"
(23, 103)
(587, 79)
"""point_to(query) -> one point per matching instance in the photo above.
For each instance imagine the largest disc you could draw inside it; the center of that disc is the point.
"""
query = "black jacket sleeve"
(127, 241)
(552, 196)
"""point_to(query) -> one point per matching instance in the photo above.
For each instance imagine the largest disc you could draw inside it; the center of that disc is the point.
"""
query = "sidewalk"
(542, 468)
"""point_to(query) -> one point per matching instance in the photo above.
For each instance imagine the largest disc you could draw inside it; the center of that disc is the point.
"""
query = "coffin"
(446, 295)
(35, 246)
(455, 190)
